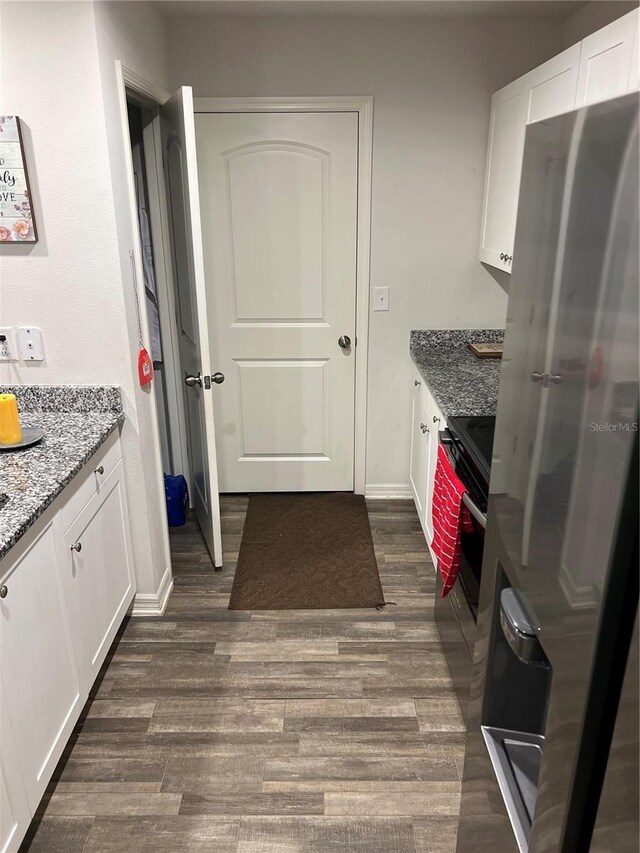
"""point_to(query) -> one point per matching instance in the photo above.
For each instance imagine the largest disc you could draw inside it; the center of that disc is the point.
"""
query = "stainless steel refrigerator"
(559, 591)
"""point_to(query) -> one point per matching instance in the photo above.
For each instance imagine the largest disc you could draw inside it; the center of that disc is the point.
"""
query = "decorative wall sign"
(16, 217)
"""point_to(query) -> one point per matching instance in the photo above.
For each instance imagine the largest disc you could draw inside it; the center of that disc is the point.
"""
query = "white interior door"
(179, 151)
(279, 208)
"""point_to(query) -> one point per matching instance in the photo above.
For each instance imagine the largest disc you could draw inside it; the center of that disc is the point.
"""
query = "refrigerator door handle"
(520, 628)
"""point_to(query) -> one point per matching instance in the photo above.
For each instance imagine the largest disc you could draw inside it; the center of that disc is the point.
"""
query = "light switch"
(380, 298)
(30, 345)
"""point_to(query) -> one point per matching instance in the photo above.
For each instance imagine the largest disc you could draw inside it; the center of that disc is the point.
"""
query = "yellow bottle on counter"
(10, 431)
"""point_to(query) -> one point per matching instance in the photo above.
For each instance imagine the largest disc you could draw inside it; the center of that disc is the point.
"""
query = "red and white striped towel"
(450, 517)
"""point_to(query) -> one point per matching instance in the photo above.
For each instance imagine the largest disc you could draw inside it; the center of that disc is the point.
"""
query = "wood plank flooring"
(268, 731)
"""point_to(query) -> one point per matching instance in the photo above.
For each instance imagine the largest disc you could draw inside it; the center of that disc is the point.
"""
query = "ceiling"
(372, 8)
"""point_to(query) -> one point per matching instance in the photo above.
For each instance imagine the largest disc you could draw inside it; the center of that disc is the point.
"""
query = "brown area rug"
(306, 551)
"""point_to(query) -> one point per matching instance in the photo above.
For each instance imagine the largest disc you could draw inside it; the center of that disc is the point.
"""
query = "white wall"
(135, 34)
(432, 80)
(73, 284)
(593, 16)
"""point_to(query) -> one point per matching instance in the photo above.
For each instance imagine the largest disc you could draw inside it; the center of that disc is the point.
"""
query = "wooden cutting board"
(487, 350)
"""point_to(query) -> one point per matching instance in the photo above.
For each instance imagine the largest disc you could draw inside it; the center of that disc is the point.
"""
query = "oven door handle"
(447, 440)
(479, 516)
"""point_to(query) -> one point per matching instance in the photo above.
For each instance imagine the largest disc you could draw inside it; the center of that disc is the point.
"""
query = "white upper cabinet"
(545, 91)
(604, 65)
(609, 61)
(506, 136)
(551, 88)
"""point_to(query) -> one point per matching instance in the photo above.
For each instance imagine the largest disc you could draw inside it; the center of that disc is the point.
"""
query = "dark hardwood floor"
(268, 731)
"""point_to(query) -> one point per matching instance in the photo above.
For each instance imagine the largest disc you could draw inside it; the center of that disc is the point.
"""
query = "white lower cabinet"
(38, 666)
(419, 455)
(98, 574)
(426, 423)
(14, 806)
(59, 611)
(436, 424)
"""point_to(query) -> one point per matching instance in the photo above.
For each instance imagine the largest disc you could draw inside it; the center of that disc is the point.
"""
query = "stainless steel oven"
(468, 442)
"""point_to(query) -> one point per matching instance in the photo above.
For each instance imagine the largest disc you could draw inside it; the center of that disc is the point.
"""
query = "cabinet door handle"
(424, 428)
(4, 592)
(77, 547)
(417, 382)
(436, 420)
(502, 256)
(99, 469)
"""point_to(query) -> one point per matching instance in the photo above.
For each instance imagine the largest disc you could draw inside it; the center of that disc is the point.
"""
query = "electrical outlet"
(380, 298)
(7, 349)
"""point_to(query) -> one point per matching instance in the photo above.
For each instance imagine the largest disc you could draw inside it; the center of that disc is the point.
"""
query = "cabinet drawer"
(88, 481)
(419, 388)
(437, 420)
(425, 399)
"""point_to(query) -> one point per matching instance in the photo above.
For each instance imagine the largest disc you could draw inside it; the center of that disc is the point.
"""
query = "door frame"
(147, 95)
(363, 106)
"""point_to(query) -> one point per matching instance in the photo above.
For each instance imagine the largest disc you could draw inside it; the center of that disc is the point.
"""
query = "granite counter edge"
(24, 524)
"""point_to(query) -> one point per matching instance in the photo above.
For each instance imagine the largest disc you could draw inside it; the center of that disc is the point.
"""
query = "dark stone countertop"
(77, 420)
(460, 383)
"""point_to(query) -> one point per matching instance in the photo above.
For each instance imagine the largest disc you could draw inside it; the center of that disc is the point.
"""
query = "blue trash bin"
(177, 495)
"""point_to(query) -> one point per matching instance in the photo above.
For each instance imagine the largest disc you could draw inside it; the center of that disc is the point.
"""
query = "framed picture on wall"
(17, 224)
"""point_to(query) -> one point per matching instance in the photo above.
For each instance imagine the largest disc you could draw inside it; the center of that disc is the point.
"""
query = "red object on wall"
(450, 517)
(145, 367)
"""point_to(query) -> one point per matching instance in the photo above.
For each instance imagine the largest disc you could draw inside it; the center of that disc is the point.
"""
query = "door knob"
(193, 380)
(77, 547)
(218, 378)
(536, 376)
(344, 341)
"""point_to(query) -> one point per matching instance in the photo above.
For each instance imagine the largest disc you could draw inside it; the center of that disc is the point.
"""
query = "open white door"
(179, 153)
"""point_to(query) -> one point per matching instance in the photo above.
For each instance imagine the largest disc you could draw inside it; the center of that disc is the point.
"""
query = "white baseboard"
(577, 596)
(388, 491)
(154, 604)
